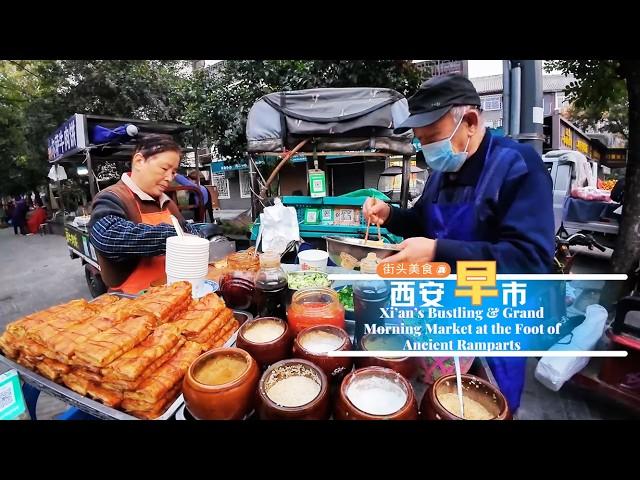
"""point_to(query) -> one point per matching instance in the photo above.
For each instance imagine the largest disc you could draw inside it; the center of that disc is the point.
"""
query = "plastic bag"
(553, 372)
(100, 134)
(57, 172)
(367, 192)
(278, 227)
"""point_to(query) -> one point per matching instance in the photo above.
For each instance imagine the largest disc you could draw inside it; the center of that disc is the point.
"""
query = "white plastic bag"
(553, 372)
(57, 172)
(278, 227)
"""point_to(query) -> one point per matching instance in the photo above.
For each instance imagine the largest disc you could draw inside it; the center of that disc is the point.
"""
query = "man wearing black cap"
(487, 198)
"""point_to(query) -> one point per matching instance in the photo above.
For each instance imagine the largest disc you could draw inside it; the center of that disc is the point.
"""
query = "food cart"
(76, 144)
(378, 142)
(327, 123)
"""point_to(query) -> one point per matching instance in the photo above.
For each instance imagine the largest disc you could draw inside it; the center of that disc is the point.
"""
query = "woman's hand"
(414, 250)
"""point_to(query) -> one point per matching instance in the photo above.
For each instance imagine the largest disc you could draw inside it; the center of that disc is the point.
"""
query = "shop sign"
(68, 139)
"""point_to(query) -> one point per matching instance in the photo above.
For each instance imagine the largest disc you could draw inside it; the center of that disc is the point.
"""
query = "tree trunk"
(627, 251)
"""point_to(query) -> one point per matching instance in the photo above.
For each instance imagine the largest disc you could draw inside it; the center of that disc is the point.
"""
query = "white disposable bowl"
(196, 283)
(195, 258)
(313, 260)
(188, 241)
(185, 272)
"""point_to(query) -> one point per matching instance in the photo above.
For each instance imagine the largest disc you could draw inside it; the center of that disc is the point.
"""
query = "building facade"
(490, 89)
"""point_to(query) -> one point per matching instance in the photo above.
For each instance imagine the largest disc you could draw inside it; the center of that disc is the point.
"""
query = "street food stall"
(160, 352)
(99, 148)
(327, 123)
(258, 346)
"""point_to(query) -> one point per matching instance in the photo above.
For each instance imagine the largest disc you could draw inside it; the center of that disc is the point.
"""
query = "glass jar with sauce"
(237, 285)
(315, 306)
(271, 287)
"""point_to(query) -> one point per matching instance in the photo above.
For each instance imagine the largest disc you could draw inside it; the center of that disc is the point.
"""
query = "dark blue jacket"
(514, 215)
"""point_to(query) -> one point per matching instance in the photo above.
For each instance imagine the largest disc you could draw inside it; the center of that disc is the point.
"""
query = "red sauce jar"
(315, 306)
(237, 286)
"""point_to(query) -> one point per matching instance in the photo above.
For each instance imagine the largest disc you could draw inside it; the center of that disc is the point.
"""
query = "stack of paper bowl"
(187, 260)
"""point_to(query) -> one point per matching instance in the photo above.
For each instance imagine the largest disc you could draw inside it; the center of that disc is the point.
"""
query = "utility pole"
(523, 115)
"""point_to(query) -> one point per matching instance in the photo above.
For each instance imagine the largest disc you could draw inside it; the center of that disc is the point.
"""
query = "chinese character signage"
(478, 310)
(68, 139)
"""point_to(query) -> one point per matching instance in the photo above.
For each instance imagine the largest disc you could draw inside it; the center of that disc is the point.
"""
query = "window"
(546, 105)
(561, 103)
(387, 183)
(491, 102)
(245, 184)
(222, 183)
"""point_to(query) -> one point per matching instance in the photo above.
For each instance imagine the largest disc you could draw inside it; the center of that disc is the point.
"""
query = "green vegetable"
(298, 281)
(346, 297)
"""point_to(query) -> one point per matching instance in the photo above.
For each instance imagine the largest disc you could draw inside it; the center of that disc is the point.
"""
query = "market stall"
(61, 350)
(97, 148)
(323, 124)
(258, 343)
(130, 354)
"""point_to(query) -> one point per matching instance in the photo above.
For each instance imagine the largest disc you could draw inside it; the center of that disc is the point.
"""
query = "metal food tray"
(92, 407)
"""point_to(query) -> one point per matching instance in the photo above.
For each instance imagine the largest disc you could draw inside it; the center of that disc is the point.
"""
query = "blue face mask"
(440, 155)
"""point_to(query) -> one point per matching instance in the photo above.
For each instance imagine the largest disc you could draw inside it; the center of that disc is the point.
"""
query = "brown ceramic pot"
(405, 366)
(334, 367)
(345, 409)
(316, 409)
(266, 353)
(483, 392)
(228, 401)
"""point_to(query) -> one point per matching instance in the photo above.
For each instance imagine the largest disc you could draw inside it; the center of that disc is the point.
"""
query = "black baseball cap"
(436, 97)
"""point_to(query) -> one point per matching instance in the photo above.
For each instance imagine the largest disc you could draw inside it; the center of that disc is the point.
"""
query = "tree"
(19, 172)
(614, 120)
(600, 83)
(36, 96)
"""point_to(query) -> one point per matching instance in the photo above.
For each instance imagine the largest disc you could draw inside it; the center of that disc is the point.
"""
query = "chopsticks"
(366, 234)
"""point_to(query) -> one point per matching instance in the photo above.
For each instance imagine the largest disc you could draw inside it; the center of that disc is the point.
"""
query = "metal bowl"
(339, 247)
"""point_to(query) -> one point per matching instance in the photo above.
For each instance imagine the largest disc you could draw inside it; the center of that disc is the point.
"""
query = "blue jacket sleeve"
(182, 180)
(116, 237)
(526, 227)
(406, 222)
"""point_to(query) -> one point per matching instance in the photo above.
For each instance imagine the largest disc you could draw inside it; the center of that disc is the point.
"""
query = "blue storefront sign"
(222, 166)
(68, 139)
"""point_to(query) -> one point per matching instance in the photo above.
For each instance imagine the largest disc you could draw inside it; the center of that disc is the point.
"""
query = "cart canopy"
(336, 118)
